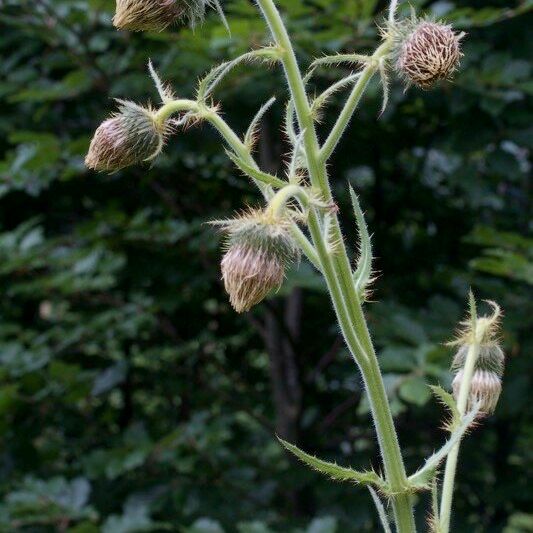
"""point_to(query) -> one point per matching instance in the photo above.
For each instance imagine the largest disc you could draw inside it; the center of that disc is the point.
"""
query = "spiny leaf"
(339, 59)
(165, 92)
(363, 272)
(381, 511)
(448, 400)
(255, 173)
(385, 84)
(221, 14)
(422, 478)
(434, 522)
(249, 139)
(334, 471)
(322, 99)
(330, 236)
(208, 84)
(290, 122)
(298, 158)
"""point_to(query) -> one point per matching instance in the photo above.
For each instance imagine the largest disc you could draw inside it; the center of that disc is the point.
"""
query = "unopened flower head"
(156, 15)
(427, 52)
(490, 358)
(259, 249)
(485, 390)
(478, 346)
(130, 136)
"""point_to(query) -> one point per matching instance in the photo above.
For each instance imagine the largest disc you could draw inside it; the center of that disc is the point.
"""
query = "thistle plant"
(298, 216)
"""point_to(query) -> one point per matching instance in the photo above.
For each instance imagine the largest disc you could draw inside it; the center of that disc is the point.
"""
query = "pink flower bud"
(129, 137)
(259, 249)
(491, 357)
(485, 389)
(430, 52)
(156, 15)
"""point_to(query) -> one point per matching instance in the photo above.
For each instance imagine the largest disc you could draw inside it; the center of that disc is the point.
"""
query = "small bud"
(156, 15)
(131, 136)
(478, 338)
(485, 390)
(429, 52)
(490, 358)
(259, 250)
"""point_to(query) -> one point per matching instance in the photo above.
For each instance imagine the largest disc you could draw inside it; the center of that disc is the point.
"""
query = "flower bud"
(491, 358)
(428, 52)
(156, 15)
(485, 390)
(131, 136)
(259, 250)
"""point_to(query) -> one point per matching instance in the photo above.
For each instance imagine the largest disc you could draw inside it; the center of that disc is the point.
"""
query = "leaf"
(249, 138)
(381, 511)
(449, 401)
(334, 471)
(208, 84)
(363, 272)
(423, 477)
(255, 173)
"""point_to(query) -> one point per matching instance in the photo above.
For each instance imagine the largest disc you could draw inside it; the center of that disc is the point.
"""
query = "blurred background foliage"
(131, 397)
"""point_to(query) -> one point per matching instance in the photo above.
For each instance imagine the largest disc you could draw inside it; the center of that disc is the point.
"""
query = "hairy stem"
(240, 148)
(279, 202)
(337, 271)
(451, 462)
(353, 101)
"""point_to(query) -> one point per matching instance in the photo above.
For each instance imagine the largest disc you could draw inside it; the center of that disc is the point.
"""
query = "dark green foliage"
(131, 397)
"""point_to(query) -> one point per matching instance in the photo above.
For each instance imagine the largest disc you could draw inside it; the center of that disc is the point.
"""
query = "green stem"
(353, 101)
(278, 203)
(451, 461)
(337, 272)
(240, 148)
(297, 88)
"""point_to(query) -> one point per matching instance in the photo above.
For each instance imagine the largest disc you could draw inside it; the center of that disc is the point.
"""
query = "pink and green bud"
(485, 390)
(156, 15)
(131, 136)
(259, 250)
(490, 358)
(428, 52)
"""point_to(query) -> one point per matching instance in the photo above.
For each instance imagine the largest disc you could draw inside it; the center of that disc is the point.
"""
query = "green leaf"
(334, 471)
(363, 272)
(255, 173)
(381, 511)
(424, 476)
(449, 401)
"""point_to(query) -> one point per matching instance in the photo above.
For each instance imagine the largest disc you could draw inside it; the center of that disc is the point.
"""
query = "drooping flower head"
(259, 248)
(427, 52)
(131, 136)
(156, 15)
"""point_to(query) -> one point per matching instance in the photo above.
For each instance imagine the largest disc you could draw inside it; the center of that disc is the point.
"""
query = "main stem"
(451, 462)
(337, 272)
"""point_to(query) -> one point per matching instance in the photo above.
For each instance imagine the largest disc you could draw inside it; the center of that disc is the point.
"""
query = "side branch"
(372, 66)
